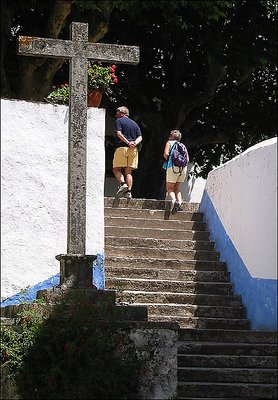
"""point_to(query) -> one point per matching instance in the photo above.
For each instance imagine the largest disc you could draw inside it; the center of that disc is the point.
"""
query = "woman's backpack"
(180, 157)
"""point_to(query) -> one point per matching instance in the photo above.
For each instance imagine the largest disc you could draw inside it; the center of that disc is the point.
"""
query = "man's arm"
(122, 137)
(130, 144)
(138, 140)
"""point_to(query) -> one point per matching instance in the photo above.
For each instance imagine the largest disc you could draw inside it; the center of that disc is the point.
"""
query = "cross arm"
(113, 53)
(33, 46)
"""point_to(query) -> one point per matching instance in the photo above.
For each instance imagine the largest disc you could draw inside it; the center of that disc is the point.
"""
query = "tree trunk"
(6, 25)
(36, 74)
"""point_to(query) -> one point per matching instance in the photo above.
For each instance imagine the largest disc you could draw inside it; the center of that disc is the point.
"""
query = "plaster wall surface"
(244, 193)
(34, 146)
(240, 207)
(192, 188)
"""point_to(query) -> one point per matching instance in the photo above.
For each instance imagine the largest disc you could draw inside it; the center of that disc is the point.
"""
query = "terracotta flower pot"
(94, 98)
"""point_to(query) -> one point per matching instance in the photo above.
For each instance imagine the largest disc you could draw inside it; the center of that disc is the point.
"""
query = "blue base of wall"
(29, 294)
(258, 295)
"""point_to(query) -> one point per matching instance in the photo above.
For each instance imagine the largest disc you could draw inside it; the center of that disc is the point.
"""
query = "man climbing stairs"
(168, 264)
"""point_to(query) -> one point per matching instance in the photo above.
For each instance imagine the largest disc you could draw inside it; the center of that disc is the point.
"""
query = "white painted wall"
(192, 188)
(34, 190)
(244, 193)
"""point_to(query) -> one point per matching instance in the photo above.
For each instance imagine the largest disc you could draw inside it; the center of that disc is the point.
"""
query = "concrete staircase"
(168, 264)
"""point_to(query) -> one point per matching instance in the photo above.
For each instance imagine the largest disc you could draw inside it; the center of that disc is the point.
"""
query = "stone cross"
(78, 50)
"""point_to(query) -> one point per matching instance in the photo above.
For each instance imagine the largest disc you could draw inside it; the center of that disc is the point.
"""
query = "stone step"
(136, 296)
(182, 310)
(152, 214)
(94, 300)
(162, 263)
(169, 286)
(121, 313)
(189, 390)
(233, 347)
(218, 335)
(225, 361)
(229, 375)
(169, 274)
(155, 233)
(202, 322)
(151, 223)
(182, 281)
(143, 252)
(167, 244)
(209, 398)
(150, 204)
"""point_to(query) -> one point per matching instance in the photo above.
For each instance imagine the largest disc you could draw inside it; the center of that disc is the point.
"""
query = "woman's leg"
(170, 188)
(178, 192)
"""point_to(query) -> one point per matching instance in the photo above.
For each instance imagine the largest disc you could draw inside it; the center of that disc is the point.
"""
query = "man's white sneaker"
(122, 189)
(128, 195)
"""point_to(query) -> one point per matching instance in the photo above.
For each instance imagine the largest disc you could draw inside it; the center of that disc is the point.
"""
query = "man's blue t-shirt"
(128, 128)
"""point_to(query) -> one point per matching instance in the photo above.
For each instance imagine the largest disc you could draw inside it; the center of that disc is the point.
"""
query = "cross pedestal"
(78, 50)
(76, 270)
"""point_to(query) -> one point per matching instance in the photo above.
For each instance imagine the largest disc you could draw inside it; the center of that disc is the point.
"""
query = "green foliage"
(207, 67)
(15, 344)
(71, 352)
(59, 95)
(174, 9)
(99, 78)
(213, 80)
(89, 5)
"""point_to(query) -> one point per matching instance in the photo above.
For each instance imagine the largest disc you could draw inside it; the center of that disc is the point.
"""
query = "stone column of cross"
(78, 50)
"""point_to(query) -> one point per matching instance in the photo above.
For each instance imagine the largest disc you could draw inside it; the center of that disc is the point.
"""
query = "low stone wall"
(147, 349)
(8, 385)
(156, 348)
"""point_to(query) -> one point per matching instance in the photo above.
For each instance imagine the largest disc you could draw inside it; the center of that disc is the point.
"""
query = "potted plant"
(60, 95)
(100, 80)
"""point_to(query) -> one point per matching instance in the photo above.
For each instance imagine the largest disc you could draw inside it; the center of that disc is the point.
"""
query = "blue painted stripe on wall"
(98, 272)
(258, 295)
(29, 294)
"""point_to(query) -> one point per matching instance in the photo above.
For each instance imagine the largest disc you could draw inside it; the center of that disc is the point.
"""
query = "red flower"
(5, 355)
(113, 67)
(25, 319)
(115, 80)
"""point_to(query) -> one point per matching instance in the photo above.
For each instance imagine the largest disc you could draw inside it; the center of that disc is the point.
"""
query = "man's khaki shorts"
(125, 157)
(171, 177)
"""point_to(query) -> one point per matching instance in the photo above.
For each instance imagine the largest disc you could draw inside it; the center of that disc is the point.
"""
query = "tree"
(212, 75)
(207, 68)
(32, 78)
